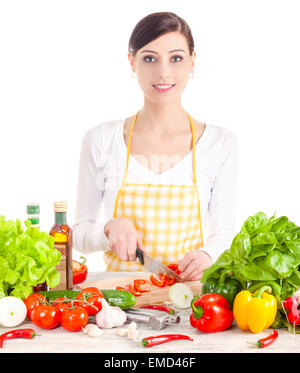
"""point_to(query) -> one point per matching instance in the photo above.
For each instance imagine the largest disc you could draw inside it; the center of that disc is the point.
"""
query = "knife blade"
(154, 266)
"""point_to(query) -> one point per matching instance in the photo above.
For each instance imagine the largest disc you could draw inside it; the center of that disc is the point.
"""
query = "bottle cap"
(60, 206)
(33, 209)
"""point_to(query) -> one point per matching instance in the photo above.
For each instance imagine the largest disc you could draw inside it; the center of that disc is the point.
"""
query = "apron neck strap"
(129, 146)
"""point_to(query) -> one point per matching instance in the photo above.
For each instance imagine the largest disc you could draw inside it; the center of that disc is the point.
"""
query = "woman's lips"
(163, 88)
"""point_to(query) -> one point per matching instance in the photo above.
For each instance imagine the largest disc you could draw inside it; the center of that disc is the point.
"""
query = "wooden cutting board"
(155, 296)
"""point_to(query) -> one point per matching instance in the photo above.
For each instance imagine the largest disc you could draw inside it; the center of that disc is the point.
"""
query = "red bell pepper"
(79, 271)
(160, 282)
(211, 313)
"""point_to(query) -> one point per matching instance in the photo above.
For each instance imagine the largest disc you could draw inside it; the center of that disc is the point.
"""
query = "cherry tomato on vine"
(93, 296)
(32, 302)
(74, 319)
(45, 316)
(61, 304)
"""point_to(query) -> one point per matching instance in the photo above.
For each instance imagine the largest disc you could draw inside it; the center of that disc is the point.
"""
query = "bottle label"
(64, 268)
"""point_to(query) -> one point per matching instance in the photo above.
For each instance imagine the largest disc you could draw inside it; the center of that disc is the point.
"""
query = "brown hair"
(154, 25)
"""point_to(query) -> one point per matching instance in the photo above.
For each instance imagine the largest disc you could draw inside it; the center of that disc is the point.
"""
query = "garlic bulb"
(110, 316)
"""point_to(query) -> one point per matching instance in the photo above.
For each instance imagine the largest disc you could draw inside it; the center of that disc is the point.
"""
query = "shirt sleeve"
(88, 230)
(222, 205)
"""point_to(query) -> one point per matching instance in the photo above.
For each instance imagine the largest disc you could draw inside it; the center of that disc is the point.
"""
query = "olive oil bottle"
(62, 234)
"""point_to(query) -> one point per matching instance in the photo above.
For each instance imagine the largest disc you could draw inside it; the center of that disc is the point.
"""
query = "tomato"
(74, 319)
(93, 296)
(32, 302)
(62, 304)
(45, 316)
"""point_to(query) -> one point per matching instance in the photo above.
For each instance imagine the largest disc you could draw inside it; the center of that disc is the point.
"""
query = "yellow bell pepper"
(255, 312)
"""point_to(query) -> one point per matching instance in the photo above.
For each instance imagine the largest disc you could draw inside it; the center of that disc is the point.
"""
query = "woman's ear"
(193, 59)
(131, 60)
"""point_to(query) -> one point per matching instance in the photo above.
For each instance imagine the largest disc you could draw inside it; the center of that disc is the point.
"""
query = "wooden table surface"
(232, 340)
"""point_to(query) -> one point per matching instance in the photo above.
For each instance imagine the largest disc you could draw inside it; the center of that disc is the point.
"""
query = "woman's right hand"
(123, 238)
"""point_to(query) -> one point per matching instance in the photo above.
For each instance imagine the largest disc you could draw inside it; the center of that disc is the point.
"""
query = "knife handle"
(140, 256)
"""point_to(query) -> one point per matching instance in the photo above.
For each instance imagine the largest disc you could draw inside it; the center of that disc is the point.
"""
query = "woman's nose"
(164, 71)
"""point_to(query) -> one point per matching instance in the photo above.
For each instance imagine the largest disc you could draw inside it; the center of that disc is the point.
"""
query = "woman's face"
(163, 67)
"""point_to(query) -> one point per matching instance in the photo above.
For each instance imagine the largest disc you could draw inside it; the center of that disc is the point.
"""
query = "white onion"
(13, 311)
(181, 295)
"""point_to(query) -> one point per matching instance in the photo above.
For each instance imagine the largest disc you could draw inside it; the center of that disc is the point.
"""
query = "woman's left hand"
(194, 264)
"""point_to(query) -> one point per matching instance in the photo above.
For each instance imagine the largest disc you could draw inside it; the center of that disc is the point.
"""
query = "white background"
(64, 69)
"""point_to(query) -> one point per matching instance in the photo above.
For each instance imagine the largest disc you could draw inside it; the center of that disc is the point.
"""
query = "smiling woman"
(152, 169)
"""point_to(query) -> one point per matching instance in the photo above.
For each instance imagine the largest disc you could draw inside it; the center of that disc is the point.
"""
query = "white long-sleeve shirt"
(101, 170)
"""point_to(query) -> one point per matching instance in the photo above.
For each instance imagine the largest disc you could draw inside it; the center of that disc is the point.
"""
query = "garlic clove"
(92, 330)
(132, 326)
(134, 335)
(122, 332)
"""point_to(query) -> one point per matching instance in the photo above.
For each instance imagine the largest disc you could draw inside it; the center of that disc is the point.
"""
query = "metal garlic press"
(155, 319)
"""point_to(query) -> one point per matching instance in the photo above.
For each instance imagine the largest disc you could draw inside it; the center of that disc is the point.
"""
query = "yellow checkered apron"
(166, 216)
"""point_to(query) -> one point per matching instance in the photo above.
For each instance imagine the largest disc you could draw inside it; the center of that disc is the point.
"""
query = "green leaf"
(52, 277)
(257, 223)
(12, 276)
(280, 263)
(280, 224)
(240, 247)
(255, 272)
(294, 278)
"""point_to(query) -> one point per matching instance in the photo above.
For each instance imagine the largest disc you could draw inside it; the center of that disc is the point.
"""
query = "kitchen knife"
(154, 266)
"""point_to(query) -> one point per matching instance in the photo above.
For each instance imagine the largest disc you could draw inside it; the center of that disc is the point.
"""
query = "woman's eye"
(177, 58)
(149, 59)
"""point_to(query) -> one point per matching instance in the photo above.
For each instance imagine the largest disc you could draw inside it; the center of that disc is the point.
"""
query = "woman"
(152, 169)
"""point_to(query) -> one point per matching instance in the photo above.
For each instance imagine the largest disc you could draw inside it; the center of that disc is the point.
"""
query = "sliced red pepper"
(81, 274)
(174, 267)
(171, 280)
(137, 285)
(131, 289)
(160, 282)
(120, 288)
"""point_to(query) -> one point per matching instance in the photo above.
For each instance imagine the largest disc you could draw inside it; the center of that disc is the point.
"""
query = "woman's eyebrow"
(174, 50)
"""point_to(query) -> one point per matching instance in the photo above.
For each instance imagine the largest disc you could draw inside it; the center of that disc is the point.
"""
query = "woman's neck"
(162, 119)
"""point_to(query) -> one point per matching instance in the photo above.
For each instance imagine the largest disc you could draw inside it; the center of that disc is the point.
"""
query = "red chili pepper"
(160, 308)
(17, 333)
(161, 282)
(131, 289)
(79, 274)
(137, 285)
(211, 313)
(159, 339)
(264, 342)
